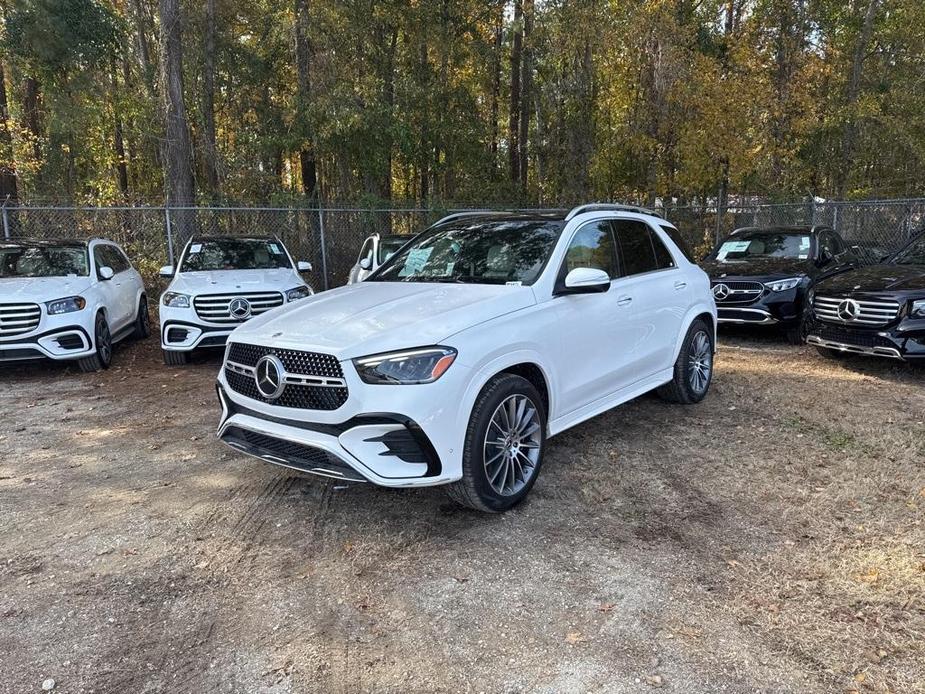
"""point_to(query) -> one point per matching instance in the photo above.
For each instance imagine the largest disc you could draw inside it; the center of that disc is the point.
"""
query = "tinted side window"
(367, 250)
(119, 258)
(828, 244)
(592, 246)
(679, 241)
(99, 258)
(662, 254)
(635, 246)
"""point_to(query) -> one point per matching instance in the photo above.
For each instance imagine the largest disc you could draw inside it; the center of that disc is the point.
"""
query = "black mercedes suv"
(762, 275)
(877, 310)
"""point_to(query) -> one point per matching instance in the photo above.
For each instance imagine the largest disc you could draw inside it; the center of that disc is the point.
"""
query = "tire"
(505, 398)
(833, 354)
(142, 321)
(102, 339)
(797, 334)
(172, 358)
(693, 369)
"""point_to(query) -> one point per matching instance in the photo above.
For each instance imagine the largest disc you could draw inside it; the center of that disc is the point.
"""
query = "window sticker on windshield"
(732, 247)
(514, 284)
(195, 248)
(274, 248)
(449, 267)
(415, 261)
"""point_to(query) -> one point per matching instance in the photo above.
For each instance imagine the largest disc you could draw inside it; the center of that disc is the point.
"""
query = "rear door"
(659, 294)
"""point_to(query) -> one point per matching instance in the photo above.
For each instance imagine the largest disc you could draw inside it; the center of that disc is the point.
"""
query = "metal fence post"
(167, 228)
(324, 254)
(6, 222)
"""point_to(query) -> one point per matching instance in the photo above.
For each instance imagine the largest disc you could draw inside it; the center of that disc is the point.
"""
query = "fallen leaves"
(575, 637)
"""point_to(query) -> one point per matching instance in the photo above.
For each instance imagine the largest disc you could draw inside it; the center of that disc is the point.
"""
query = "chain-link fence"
(330, 238)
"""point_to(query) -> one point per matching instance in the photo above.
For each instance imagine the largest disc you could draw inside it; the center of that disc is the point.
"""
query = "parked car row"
(453, 355)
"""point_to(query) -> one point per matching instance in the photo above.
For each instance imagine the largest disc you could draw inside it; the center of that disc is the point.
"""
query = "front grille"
(295, 361)
(303, 397)
(739, 292)
(297, 455)
(869, 312)
(216, 308)
(16, 319)
(858, 338)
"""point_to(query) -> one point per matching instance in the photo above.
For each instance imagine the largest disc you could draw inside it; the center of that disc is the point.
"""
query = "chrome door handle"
(680, 285)
(624, 301)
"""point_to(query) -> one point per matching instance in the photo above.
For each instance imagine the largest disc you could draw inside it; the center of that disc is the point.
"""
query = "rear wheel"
(102, 358)
(142, 321)
(504, 446)
(693, 369)
(172, 358)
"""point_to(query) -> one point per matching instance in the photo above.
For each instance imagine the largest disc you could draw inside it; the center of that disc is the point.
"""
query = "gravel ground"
(769, 539)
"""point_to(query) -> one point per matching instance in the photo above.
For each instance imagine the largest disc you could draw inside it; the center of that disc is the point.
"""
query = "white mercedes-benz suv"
(221, 282)
(68, 300)
(482, 337)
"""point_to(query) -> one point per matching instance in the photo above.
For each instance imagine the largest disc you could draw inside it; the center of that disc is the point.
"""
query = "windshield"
(234, 254)
(44, 261)
(478, 252)
(387, 248)
(913, 254)
(768, 245)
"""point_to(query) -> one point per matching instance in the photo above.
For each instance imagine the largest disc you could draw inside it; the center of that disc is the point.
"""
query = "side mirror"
(106, 273)
(304, 266)
(366, 263)
(585, 280)
(167, 271)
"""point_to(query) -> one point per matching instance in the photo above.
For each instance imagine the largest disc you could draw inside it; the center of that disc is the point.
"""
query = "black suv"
(877, 310)
(762, 275)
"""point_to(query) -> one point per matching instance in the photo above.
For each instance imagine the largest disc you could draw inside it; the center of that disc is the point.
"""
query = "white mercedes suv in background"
(221, 282)
(482, 337)
(68, 300)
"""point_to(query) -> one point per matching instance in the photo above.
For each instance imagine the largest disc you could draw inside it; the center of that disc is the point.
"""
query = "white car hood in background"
(222, 281)
(370, 317)
(36, 290)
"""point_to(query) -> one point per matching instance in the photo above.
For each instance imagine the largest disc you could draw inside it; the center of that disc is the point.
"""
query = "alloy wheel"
(700, 362)
(103, 341)
(512, 445)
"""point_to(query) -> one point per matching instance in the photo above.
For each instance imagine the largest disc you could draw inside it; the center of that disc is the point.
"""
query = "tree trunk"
(307, 163)
(852, 92)
(514, 117)
(385, 183)
(526, 87)
(9, 185)
(32, 111)
(180, 184)
(496, 90)
(209, 154)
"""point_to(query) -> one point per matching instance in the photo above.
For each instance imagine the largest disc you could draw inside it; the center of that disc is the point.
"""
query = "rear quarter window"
(679, 241)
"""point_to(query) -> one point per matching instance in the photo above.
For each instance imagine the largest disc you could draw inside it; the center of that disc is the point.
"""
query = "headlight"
(783, 285)
(424, 365)
(66, 305)
(297, 293)
(918, 308)
(175, 300)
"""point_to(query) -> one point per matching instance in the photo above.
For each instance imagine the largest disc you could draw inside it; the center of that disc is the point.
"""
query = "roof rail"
(609, 207)
(467, 213)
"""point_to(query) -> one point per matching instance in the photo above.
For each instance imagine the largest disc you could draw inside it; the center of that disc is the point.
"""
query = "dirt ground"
(770, 539)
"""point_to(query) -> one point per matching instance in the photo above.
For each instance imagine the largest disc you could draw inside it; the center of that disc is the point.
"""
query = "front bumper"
(183, 331)
(55, 338)
(904, 341)
(393, 436)
(770, 308)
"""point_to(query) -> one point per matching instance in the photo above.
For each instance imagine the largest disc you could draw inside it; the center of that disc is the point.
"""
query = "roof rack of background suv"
(609, 207)
(467, 213)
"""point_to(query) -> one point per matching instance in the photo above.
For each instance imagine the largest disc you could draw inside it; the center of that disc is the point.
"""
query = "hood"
(221, 281)
(361, 319)
(765, 268)
(877, 279)
(37, 290)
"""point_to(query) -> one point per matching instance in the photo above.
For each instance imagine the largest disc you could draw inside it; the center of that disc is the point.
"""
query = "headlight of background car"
(297, 293)
(66, 305)
(424, 365)
(918, 308)
(175, 300)
(783, 285)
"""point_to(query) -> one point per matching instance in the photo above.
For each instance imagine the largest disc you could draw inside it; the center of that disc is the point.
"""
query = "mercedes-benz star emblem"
(240, 308)
(720, 291)
(849, 310)
(268, 375)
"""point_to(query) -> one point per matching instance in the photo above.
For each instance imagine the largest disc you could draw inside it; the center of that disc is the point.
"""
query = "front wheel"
(693, 369)
(504, 446)
(142, 321)
(102, 358)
